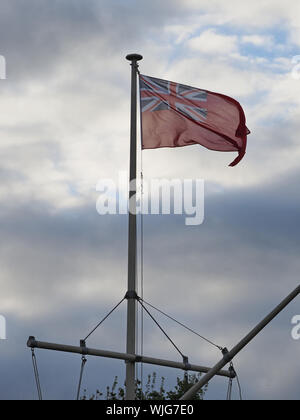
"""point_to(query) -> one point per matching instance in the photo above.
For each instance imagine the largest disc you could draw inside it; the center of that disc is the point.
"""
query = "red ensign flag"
(175, 115)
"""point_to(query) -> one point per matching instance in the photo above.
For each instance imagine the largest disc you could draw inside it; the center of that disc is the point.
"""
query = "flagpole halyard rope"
(238, 383)
(230, 384)
(229, 390)
(83, 362)
(36, 375)
(141, 246)
(142, 270)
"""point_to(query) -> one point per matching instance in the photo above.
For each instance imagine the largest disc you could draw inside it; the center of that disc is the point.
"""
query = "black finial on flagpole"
(134, 57)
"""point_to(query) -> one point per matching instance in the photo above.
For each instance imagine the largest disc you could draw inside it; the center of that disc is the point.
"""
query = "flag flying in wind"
(175, 115)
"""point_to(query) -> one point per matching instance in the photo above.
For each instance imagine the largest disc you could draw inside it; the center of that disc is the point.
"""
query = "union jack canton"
(159, 95)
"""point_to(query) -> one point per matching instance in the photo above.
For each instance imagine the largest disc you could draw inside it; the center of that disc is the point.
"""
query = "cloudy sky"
(64, 125)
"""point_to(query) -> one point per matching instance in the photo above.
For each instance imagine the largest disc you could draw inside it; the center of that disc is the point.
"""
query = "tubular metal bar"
(243, 343)
(131, 303)
(32, 343)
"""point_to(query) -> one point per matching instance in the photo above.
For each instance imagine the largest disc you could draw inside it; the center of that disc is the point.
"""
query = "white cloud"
(258, 40)
(212, 43)
(257, 14)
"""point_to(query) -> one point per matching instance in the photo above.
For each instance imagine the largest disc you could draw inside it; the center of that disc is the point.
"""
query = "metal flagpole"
(130, 357)
(131, 291)
(228, 356)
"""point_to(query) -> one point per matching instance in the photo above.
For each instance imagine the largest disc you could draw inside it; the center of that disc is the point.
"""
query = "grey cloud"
(35, 33)
(37, 36)
(62, 270)
(218, 268)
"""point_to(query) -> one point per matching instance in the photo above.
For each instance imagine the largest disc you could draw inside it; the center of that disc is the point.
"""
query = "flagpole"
(132, 287)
